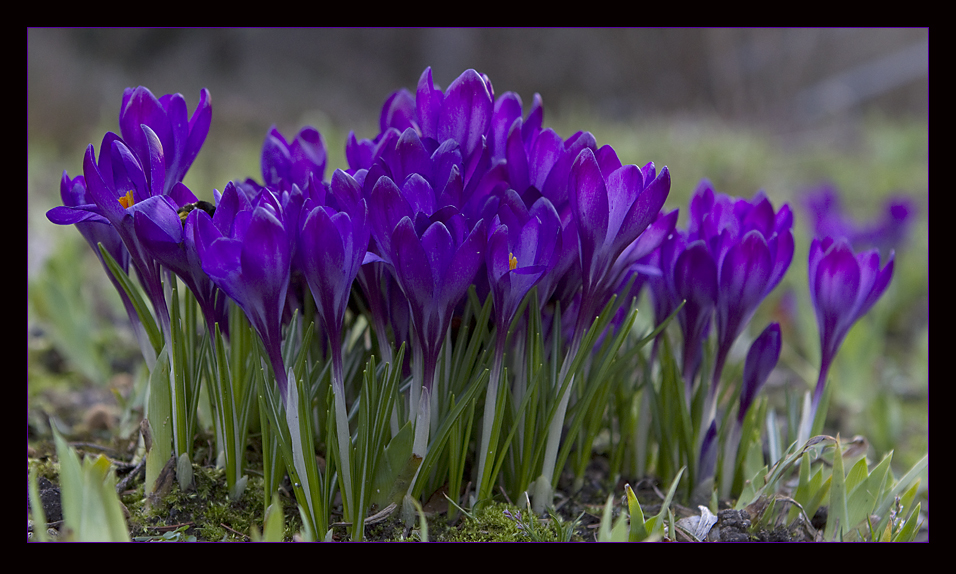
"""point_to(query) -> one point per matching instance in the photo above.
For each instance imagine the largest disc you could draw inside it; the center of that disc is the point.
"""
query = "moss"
(206, 510)
(488, 524)
(501, 522)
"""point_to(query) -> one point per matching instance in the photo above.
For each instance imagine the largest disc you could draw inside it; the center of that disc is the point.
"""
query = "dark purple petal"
(834, 286)
(398, 112)
(589, 201)
(388, 208)
(546, 151)
(744, 276)
(199, 125)
(412, 263)
(761, 360)
(782, 247)
(128, 174)
(466, 112)
(507, 109)
(428, 100)
(695, 280)
(440, 250)
(409, 156)
(464, 265)
(624, 185)
(645, 209)
(879, 285)
(419, 195)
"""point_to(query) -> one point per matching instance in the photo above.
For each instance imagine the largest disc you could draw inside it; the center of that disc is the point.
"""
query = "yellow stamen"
(512, 261)
(127, 200)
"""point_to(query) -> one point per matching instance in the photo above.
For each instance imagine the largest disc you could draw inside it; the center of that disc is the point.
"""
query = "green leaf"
(610, 530)
(36, 509)
(637, 532)
(159, 421)
(858, 473)
(909, 478)
(274, 527)
(396, 469)
(91, 509)
(133, 292)
(437, 441)
(910, 528)
(811, 490)
(838, 516)
(863, 498)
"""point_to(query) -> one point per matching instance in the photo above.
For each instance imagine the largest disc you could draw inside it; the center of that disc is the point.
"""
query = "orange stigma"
(127, 200)
(512, 261)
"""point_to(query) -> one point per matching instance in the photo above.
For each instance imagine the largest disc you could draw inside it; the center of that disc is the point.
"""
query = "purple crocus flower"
(287, 163)
(434, 258)
(118, 186)
(695, 281)
(462, 113)
(246, 249)
(434, 270)
(750, 271)
(133, 173)
(332, 246)
(180, 136)
(612, 205)
(523, 246)
(440, 136)
(843, 287)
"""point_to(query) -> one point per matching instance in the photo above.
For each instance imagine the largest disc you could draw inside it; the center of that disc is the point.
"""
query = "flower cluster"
(733, 253)
(459, 190)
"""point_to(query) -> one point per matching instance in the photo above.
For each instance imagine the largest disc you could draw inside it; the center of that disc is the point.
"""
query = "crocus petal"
(761, 360)
(63, 215)
(464, 265)
(428, 101)
(466, 112)
(744, 276)
(412, 262)
(623, 187)
(589, 202)
(644, 210)
(155, 162)
(440, 248)
(836, 283)
(880, 284)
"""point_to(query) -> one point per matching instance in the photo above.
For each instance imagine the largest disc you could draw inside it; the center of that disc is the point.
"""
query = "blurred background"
(788, 79)
(777, 109)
